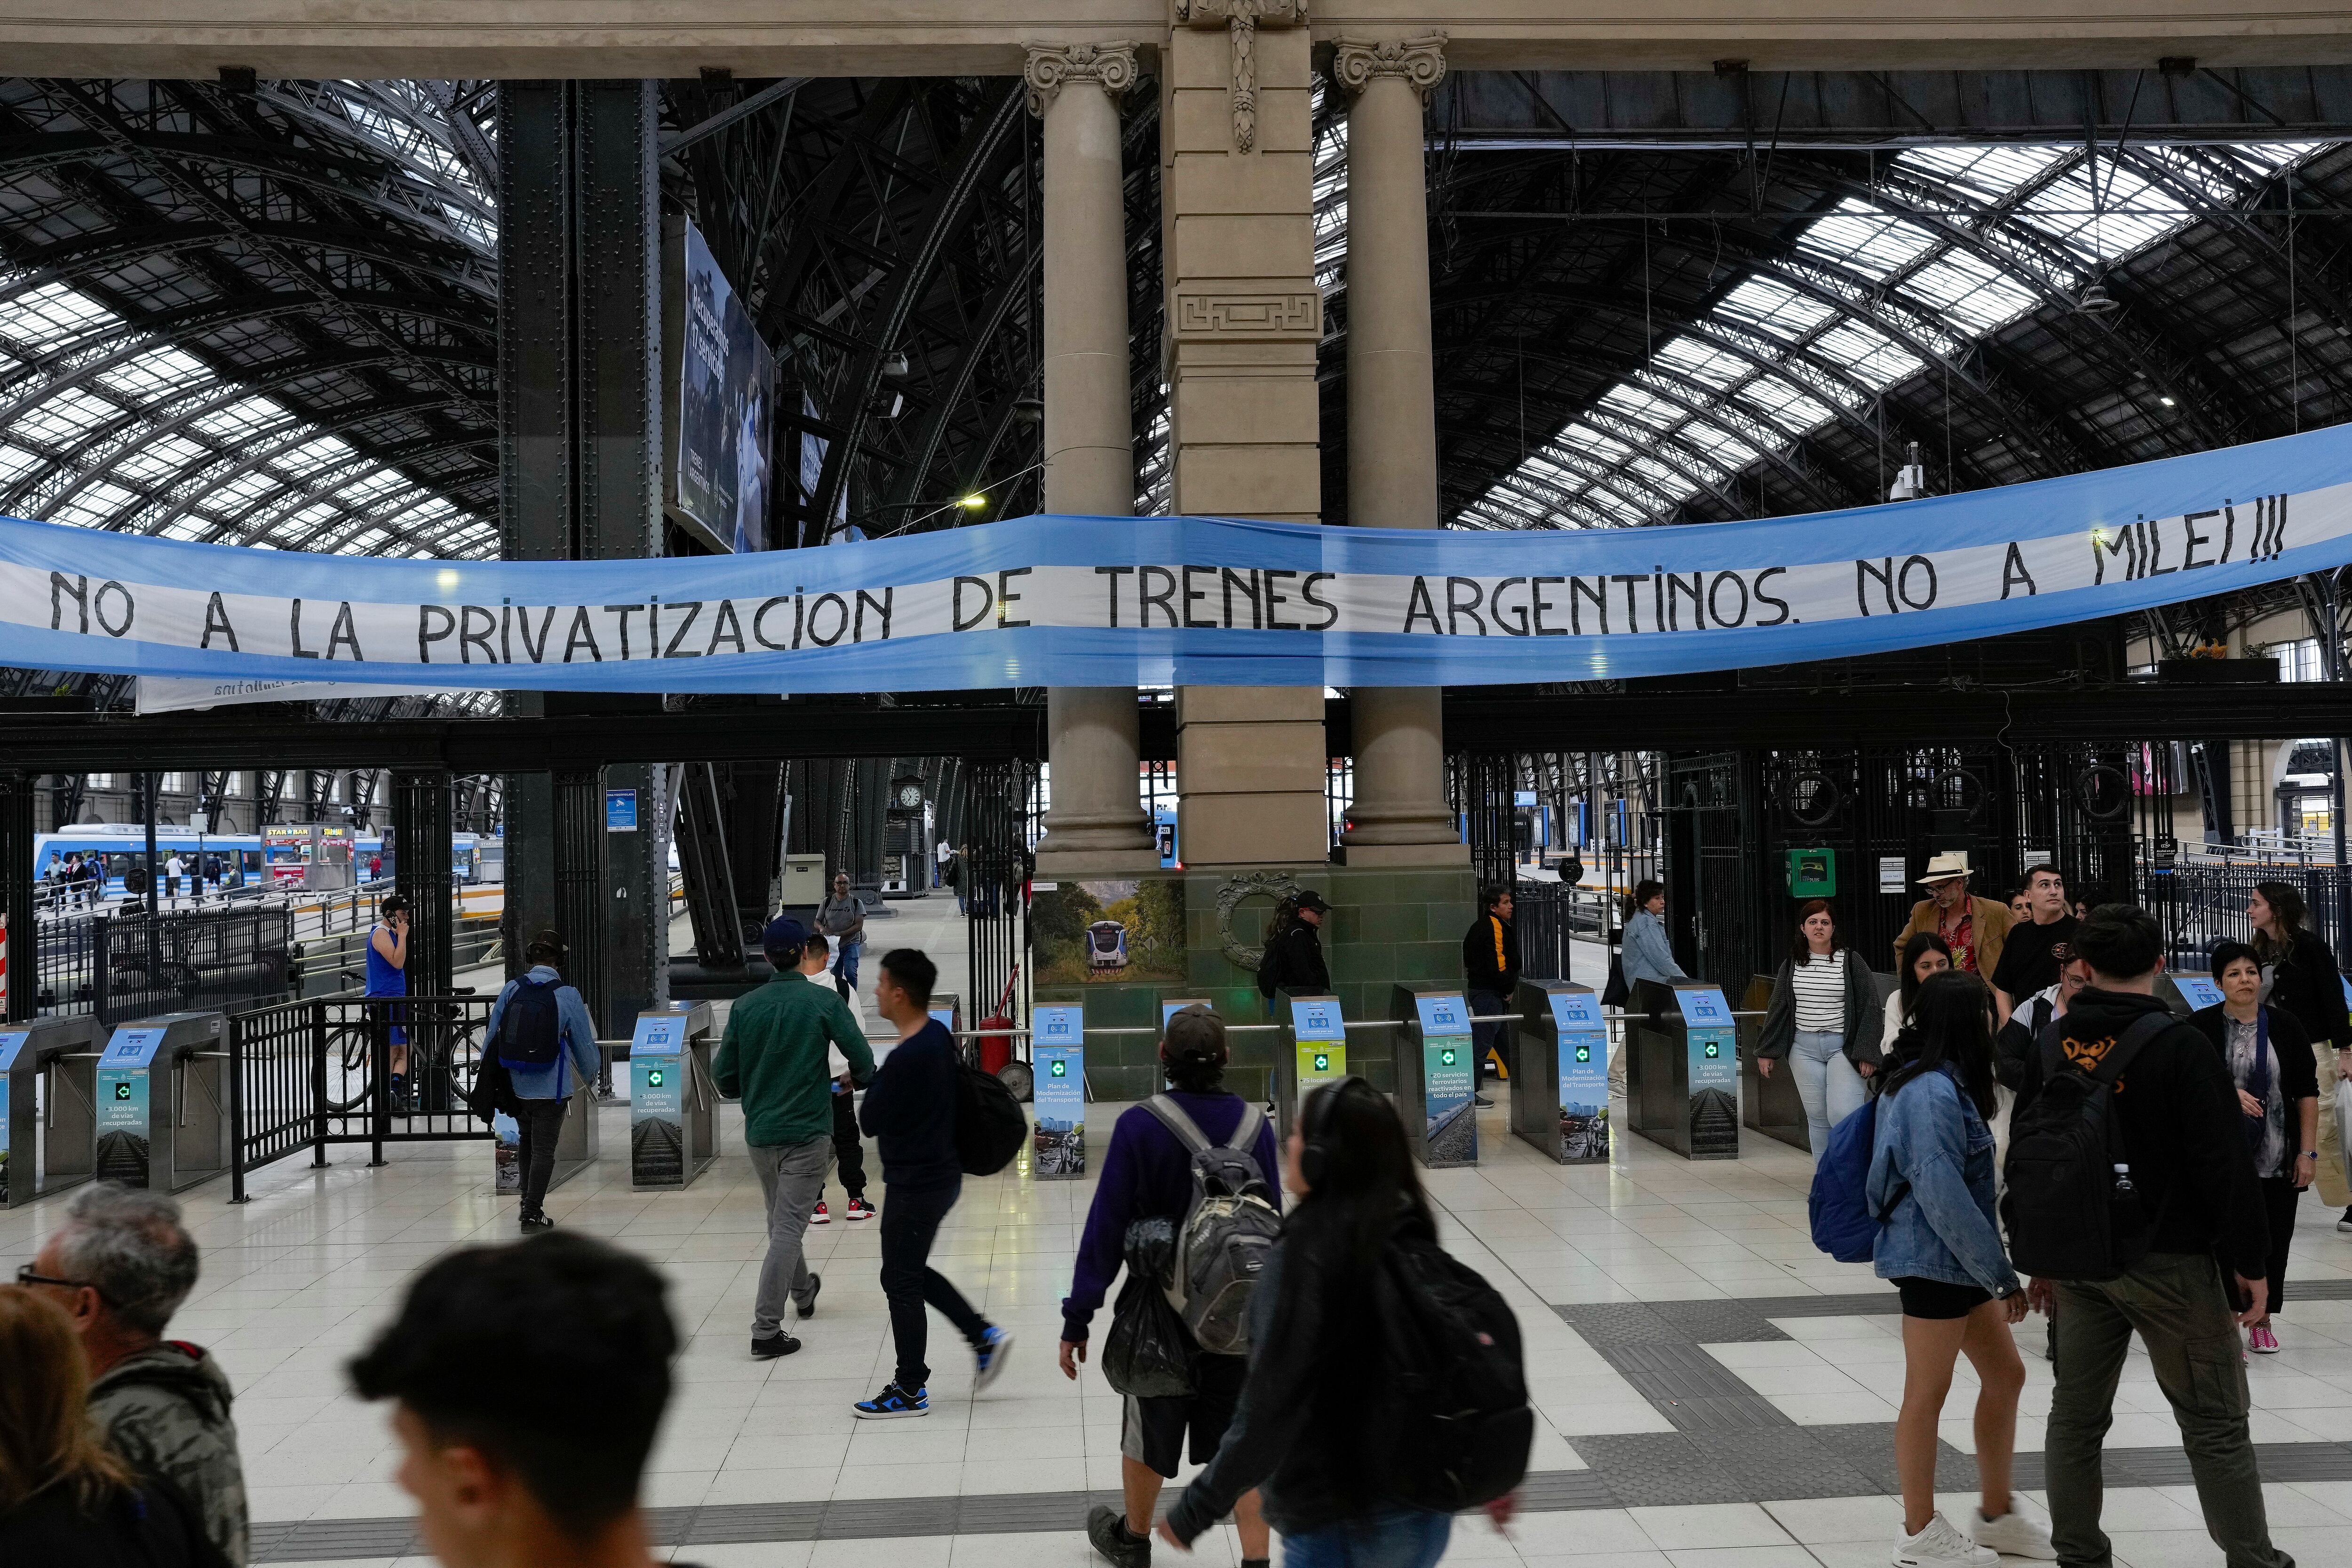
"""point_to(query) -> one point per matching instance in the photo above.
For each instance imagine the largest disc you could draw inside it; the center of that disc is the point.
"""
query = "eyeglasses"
(25, 1275)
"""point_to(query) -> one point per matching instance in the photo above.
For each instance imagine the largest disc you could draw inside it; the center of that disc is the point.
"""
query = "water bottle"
(2125, 1191)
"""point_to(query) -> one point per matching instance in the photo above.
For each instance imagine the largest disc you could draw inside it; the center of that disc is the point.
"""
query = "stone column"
(1097, 822)
(1399, 816)
(1244, 316)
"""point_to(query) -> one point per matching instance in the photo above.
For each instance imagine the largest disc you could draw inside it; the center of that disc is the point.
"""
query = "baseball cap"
(1311, 899)
(784, 934)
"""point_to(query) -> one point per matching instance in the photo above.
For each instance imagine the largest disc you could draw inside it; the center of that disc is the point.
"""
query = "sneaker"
(892, 1404)
(994, 1347)
(821, 1217)
(2013, 1534)
(768, 1347)
(808, 1309)
(2262, 1340)
(535, 1222)
(858, 1209)
(1482, 1102)
(2345, 1223)
(1942, 1546)
(1107, 1529)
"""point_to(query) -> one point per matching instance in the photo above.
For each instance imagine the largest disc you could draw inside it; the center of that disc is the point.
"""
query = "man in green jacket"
(774, 1060)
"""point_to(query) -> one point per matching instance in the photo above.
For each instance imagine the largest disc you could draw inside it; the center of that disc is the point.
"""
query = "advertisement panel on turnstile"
(1321, 1038)
(2199, 991)
(1583, 1075)
(1713, 1041)
(124, 1069)
(1058, 1056)
(10, 1044)
(657, 1075)
(1448, 1064)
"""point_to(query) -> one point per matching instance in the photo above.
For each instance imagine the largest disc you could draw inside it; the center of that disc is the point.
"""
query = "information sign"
(1448, 1065)
(2200, 991)
(1321, 1039)
(620, 811)
(1059, 1060)
(1891, 879)
(1583, 1075)
(122, 1105)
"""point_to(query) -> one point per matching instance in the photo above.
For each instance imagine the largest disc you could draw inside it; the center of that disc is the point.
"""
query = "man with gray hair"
(121, 1265)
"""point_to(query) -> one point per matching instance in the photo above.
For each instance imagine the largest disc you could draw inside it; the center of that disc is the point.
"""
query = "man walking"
(547, 1043)
(2028, 960)
(843, 919)
(774, 1058)
(910, 1111)
(2177, 1113)
(1490, 958)
(1974, 929)
(121, 1265)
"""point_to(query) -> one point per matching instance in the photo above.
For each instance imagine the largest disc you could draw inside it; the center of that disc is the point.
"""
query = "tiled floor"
(296, 1280)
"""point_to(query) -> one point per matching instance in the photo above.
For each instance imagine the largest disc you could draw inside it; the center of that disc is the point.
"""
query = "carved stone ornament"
(1241, 19)
(1110, 66)
(1421, 61)
(1274, 885)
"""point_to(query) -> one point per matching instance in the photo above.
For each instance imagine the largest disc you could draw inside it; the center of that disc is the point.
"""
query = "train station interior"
(1140, 325)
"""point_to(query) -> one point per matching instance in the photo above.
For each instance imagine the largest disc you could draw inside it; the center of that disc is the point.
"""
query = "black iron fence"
(308, 1074)
(2200, 904)
(123, 966)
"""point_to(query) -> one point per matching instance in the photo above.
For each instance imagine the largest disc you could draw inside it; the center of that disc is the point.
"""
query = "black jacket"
(1278, 1440)
(1489, 936)
(2182, 1131)
(910, 1110)
(152, 1527)
(2308, 983)
(1865, 1015)
(1300, 970)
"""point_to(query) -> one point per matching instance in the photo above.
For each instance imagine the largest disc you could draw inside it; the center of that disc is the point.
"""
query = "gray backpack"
(1227, 1234)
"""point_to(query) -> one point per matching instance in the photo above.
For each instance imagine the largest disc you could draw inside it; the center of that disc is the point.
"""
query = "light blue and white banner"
(1078, 601)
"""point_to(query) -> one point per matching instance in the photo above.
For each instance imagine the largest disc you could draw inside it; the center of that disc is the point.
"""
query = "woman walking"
(2270, 1060)
(1648, 955)
(1306, 1424)
(1923, 953)
(2300, 976)
(1823, 1019)
(1931, 1175)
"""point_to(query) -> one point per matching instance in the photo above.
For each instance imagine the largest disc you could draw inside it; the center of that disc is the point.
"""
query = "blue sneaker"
(892, 1404)
(994, 1347)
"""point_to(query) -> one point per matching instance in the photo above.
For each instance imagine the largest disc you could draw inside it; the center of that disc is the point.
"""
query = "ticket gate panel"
(1435, 1066)
(673, 1099)
(2188, 991)
(1314, 1052)
(1560, 1091)
(48, 1136)
(162, 1117)
(1683, 1077)
(1057, 1049)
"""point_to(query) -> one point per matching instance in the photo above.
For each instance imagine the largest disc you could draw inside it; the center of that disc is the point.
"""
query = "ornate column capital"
(1051, 67)
(1419, 62)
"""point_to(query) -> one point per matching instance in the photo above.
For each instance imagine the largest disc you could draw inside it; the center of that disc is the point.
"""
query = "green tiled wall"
(1385, 926)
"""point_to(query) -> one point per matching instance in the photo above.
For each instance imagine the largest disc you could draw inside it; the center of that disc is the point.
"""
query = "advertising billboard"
(724, 386)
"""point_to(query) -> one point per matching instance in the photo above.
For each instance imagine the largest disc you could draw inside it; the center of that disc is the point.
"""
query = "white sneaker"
(2345, 1223)
(1942, 1546)
(2013, 1534)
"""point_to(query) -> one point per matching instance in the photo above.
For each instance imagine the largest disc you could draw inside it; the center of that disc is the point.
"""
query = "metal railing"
(312, 1073)
(126, 965)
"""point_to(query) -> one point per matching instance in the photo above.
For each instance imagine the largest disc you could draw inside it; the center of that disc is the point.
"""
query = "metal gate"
(997, 808)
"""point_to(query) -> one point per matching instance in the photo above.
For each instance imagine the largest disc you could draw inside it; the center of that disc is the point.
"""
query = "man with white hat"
(1973, 928)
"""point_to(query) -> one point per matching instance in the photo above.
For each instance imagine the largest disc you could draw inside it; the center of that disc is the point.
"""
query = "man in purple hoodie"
(1148, 1174)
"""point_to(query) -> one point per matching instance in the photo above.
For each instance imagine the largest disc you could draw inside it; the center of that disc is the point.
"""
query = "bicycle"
(444, 1055)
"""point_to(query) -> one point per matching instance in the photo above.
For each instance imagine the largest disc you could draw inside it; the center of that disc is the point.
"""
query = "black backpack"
(530, 1030)
(989, 1122)
(2071, 1215)
(1452, 1411)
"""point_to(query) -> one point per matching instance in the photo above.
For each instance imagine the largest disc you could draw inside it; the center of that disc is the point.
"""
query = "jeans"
(540, 1122)
(2280, 1195)
(791, 1179)
(1400, 1537)
(911, 1219)
(1826, 1082)
(2175, 1300)
(848, 1150)
(844, 969)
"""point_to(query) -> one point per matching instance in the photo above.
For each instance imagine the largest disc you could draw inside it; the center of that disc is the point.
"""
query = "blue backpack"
(1843, 1223)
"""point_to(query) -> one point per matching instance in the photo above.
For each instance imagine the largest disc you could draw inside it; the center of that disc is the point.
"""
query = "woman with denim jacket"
(1931, 1178)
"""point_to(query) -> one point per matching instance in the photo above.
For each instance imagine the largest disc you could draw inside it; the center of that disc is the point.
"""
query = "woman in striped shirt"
(1824, 1018)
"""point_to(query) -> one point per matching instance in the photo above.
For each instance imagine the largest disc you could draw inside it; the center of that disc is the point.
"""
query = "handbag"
(1616, 993)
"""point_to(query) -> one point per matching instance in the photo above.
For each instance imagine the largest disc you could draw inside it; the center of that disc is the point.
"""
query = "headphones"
(1314, 1124)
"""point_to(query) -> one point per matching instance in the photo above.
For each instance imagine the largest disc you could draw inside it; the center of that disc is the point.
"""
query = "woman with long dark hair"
(1924, 954)
(1824, 1019)
(2300, 978)
(1306, 1432)
(1931, 1178)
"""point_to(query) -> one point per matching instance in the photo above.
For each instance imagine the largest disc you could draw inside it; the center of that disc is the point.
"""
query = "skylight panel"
(1964, 286)
(92, 505)
(59, 420)
(240, 419)
(150, 460)
(161, 371)
(15, 463)
(41, 319)
(1860, 237)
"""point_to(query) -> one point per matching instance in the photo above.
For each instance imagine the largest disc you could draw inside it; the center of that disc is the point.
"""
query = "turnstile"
(1682, 1081)
(1057, 1054)
(2188, 991)
(1770, 1105)
(1313, 1051)
(48, 1131)
(1436, 1065)
(162, 1102)
(1559, 1082)
(673, 1099)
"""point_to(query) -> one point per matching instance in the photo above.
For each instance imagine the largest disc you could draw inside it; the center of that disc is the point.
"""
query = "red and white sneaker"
(2262, 1340)
(821, 1217)
(859, 1209)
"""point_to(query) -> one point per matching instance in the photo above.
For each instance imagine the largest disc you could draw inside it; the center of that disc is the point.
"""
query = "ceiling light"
(2095, 301)
(2165, 401)
(1032, 411)
(973, 502)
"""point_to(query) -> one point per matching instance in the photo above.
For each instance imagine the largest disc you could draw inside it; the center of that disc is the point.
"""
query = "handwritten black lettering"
(294, 632)
(426, 638)
(2013, 573)
(1114, 573)
(1330, 611)
(215, 620)
(881, 608)
(583, 635)
(726, 627)
(1146, 596)
(1715, 599)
